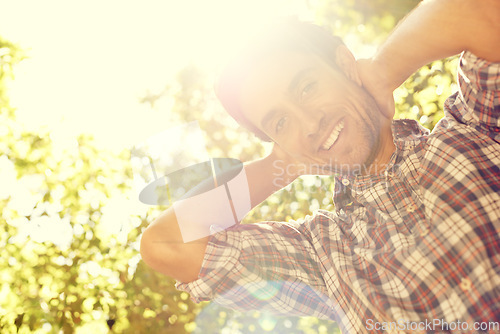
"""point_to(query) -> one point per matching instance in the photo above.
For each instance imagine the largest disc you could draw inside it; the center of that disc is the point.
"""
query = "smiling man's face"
(316, 113)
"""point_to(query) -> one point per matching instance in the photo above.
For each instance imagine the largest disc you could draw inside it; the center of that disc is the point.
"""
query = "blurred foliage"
(10, 54)
(70, 228)
(69, 241)
(369, 21)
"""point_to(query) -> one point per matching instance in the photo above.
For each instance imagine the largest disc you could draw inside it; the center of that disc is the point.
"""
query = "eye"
(308, 89)
(281, 124)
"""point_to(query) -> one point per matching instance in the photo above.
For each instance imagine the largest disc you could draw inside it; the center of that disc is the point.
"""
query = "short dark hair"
(286, 35)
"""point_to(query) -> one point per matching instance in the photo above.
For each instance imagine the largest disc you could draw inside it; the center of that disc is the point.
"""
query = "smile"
(334, 135)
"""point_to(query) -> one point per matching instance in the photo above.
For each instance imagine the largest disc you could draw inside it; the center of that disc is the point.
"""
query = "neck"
(384, 153)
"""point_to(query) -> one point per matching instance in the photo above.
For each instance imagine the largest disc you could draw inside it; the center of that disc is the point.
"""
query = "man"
(414, 239)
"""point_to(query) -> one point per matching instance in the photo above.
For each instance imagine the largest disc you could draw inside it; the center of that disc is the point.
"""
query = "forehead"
(268, 82)
(268, 85)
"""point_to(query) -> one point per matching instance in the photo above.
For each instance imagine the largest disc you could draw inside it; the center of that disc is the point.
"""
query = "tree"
(69, 240)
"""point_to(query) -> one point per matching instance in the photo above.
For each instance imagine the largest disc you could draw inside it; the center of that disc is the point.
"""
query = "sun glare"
(89, 63)
(87, 66)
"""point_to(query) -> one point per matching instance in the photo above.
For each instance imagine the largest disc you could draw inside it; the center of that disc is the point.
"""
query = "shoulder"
(479, 73)
(477, 103)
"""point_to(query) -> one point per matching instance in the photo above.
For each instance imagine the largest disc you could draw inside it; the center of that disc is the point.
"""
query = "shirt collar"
(407, 134)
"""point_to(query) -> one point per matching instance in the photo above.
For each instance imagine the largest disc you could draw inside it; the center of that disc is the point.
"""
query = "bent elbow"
(155, 253)
(146, 248)
(162, 249)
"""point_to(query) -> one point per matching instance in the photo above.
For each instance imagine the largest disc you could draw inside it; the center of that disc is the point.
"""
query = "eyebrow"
(267, 118)
(294, 83)
(297, 79)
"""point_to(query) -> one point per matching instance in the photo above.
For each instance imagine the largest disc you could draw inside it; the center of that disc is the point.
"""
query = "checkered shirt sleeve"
(267, 266)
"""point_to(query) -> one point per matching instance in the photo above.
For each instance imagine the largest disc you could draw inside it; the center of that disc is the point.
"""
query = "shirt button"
(410, 208)
(345, 182)
(465, 284)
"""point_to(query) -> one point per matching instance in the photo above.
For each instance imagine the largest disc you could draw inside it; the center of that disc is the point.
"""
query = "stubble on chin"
(363, 153)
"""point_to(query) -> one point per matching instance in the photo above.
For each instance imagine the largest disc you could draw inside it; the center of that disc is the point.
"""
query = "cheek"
(291, 146)
(294, 148)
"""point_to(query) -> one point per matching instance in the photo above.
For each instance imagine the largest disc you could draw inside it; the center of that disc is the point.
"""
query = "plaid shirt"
(418, 242)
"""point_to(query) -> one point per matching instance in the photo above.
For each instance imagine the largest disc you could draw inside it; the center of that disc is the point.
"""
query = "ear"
(347, 64)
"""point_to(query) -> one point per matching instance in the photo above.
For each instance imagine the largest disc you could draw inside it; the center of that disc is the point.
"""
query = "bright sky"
(90, 61)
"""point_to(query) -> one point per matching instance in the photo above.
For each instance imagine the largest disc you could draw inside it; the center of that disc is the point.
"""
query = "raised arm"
(162, 246)
(435, 29)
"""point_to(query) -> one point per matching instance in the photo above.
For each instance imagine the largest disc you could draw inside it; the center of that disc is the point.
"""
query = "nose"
(311, 122)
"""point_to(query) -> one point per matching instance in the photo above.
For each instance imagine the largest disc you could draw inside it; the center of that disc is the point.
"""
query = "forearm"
(266, 176)
(263, 178)
(162, 245)
(438, 29)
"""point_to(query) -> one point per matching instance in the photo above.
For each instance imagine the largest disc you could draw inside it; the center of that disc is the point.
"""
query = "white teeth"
(333, 136)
